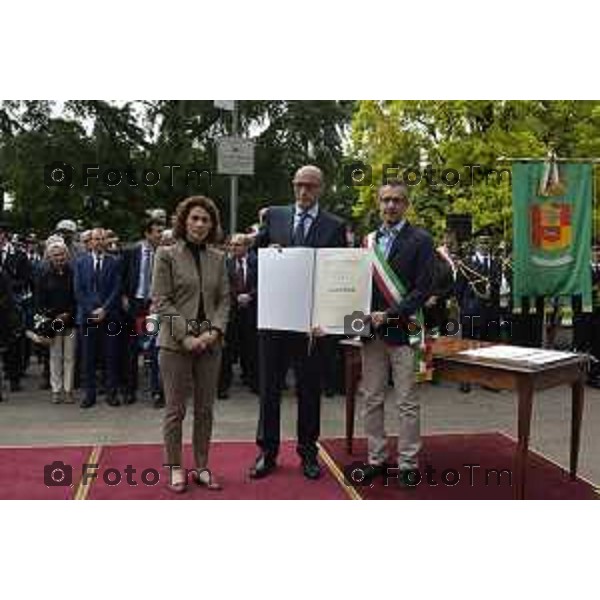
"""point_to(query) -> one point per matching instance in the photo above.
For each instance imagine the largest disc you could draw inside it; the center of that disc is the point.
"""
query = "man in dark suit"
(304, 223)
(408, 252)
(17, 268)
(241, 335)
(97, 281)
(9, 320)
(138, 262)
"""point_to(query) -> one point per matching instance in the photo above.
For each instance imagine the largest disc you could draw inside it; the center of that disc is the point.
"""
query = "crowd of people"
(88, 306)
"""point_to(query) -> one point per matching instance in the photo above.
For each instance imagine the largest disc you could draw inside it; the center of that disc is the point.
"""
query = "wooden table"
(502, 375)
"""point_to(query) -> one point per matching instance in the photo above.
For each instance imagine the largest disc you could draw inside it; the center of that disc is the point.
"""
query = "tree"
(448, 135)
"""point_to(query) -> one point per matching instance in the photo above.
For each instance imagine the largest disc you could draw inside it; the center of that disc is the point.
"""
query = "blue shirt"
(313, 211)
(387, 235)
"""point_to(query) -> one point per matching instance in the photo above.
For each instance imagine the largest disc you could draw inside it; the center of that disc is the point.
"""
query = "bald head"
(308, 182)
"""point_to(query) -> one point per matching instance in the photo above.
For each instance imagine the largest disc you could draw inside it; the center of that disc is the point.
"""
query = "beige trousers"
(62, 361)
(377, 358)
(188, 376)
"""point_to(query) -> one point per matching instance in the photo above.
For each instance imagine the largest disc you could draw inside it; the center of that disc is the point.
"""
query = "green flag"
(552, 231)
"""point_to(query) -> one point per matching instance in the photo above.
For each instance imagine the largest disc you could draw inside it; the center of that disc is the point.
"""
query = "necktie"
(301, 229)
(385, 240)
(97, 271)
(240, 284)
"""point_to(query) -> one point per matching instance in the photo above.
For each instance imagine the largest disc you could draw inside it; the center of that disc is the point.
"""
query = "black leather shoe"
(87, 403)
(263, 466)
(311, 468)
(112, 399)
(129, 398)
(407, 479)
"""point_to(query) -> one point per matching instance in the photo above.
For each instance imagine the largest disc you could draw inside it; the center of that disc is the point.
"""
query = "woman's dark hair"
(183, 210)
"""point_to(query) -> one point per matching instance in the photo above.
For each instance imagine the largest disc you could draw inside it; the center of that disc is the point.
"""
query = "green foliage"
(458, 133)
(142, 135)
(150, 134)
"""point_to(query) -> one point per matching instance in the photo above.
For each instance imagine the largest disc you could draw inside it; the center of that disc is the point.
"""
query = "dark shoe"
(158, 400)
(263, 466)
(406, 479)
(223, 395)
(87, 403)
(15, 386)
(465, 388)
(112, 399)
(129, 398)
(311, 468)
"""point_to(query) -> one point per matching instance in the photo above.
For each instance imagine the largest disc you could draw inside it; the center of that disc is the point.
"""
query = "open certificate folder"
(301, 288)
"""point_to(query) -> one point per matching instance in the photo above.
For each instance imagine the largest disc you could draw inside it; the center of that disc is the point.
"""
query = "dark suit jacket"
(107, 296)
(9, 319)
(18, 269)
(411, 258)
(251, 278)
(327, 230)
(132, 258)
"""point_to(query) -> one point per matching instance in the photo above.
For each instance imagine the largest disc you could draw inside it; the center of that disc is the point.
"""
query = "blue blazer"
(411, 258)
(108, 295)
(327, 231)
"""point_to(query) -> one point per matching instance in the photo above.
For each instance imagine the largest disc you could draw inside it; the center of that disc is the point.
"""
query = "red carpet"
(545, 480)
(229, 460)
(22, 472)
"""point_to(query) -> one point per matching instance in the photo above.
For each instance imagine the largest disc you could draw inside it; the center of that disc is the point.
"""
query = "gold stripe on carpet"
(335, 471)
(82, 491)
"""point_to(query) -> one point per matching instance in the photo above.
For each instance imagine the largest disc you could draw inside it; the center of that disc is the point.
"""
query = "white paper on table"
(519, 353)
(285, 288)
(343, 281)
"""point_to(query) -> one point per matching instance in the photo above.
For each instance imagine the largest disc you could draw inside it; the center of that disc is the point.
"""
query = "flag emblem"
(551, 226)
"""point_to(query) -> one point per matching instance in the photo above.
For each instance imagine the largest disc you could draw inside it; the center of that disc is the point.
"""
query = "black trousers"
(240, 344)
(277, 350)
(103, 339)
(131, 348)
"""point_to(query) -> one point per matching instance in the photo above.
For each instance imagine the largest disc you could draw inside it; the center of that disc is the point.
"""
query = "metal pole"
(233, 198)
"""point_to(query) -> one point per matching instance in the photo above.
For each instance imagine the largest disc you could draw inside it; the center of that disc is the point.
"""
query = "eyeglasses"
(392, 200)
(311, 185)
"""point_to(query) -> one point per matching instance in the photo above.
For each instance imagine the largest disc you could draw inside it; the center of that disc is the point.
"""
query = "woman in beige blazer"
(190, 290)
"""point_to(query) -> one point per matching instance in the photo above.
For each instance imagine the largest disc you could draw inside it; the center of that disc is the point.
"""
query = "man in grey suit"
(304, 223)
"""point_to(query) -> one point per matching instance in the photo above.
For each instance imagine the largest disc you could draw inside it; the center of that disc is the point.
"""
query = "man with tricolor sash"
(402, 280)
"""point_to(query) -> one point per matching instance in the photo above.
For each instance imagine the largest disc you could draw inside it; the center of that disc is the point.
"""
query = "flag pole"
(545, 159)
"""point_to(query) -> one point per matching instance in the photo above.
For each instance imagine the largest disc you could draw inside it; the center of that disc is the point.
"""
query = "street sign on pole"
(225, 104)
(235, 156)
